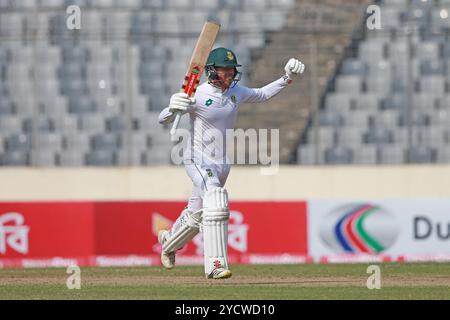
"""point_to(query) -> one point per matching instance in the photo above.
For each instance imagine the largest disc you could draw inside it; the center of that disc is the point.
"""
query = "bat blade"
(197, 64)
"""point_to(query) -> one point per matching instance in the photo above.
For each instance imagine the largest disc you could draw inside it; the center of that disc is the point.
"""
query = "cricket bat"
(199, 57)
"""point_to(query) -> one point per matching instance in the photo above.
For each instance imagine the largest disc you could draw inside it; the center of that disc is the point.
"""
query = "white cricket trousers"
(205, 176)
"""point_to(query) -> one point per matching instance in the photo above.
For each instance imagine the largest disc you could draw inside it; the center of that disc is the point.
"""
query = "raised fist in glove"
(180, 102)
(293, 68)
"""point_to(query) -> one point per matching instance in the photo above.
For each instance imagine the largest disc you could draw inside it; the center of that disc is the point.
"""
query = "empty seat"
(331, 118)
(417, 119)
(72, 71)
(52, 3)
(10, 124)
(108, 142)
(396, 101)
(427, 50)
(371, 51)
(154, 53)
(82, 105)
(379, 85)
(139, 141)
(151, 70)
(441, 118)
(433, 84)
(116, 124)
(378, 135)
(6, 106)
(306, 155)
(79, 141)
(41, 124)
(352, 136)
(168, 22)
(338, 102)
(354, 67)
(71, 158)
(92, 123)
(65, 124)
(401, 135)
(100, 158)
(432, 67)
(348, 84)
(155, 157)
(386, 119)
(45, 158)
(14, 158)
(422, 154)
(443, 155)
(75, 55)
(359, 118)
(50, 141)
(17, 142)
(74, 87)
(390, 18)
(367, 155)
(326, 136)
(393, 154)
(134, 158)
(398, 51)
(424, 101)
(367, 101)
(338, 155)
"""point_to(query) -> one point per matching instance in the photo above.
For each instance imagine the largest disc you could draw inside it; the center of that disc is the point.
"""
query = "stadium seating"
(80, 97)
(388, 104)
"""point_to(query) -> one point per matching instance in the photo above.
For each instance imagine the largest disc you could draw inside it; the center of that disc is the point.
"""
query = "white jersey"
(214, 112)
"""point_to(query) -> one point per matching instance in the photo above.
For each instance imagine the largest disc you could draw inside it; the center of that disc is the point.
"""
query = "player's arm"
(293, 68)
(179, 102)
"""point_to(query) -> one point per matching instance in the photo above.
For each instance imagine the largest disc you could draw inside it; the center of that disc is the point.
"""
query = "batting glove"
(180, 102)
(293, 68)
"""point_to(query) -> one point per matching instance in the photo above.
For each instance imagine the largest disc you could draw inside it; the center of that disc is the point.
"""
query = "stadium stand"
(92, 96)
(391, 89)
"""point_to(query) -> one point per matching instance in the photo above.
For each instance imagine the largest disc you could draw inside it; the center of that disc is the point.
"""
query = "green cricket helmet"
(222, 58)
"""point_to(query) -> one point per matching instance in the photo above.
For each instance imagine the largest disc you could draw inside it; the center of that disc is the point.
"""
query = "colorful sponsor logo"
(359, 228)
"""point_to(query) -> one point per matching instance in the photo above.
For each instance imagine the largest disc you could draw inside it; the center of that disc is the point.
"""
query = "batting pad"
(188, 229)
(215, 229)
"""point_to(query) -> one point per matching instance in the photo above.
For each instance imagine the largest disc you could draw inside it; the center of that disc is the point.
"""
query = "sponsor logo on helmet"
(359, 228)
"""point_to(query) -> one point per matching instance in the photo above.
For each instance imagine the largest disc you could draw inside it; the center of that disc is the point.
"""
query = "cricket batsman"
(214, 106)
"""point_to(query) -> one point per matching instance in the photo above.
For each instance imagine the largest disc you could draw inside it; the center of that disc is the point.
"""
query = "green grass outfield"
(311, 281)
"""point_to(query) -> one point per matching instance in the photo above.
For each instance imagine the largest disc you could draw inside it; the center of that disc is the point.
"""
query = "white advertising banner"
(393, 229)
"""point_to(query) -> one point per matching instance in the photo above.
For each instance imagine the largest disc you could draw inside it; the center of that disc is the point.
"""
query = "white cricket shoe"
(167, 258)
(219, 273)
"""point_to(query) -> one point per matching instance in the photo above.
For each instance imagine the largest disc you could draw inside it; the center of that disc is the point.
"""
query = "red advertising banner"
(125, 233)
(46, 229)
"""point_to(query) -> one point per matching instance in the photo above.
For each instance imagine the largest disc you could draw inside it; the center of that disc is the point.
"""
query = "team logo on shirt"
(208, 102)
(233, 98)
(209, 173)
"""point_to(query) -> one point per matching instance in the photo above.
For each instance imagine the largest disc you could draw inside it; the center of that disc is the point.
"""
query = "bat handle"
(175, 124)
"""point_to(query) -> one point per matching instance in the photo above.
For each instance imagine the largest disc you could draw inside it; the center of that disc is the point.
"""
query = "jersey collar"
(214, 89)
